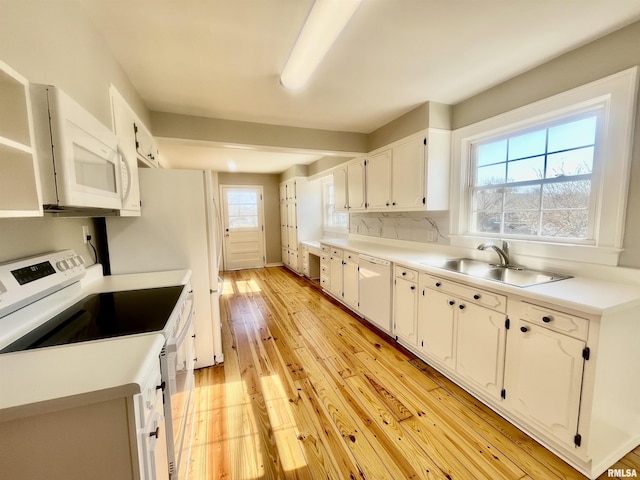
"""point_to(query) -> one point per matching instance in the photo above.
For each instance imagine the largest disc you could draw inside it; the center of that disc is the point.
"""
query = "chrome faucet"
(503, 253)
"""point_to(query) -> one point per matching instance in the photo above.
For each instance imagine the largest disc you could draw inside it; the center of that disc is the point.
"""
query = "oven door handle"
(173, 344)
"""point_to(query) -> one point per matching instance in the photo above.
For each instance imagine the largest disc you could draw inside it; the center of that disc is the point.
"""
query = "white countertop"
(590, 296)
(55, 378)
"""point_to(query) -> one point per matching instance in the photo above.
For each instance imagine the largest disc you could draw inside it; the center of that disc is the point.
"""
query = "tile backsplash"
(424, 227)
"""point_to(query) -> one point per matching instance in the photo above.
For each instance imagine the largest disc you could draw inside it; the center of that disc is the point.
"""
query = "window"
(552, 177)
(242, 207)
(537, 182)
(331, 218)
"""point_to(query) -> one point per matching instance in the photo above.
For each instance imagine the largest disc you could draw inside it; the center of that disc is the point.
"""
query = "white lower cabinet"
(437, 322)
(120, 437)
(456, 329)
(343, 279)
(480, 343)
(350, 281)
(405, 305)
(543, 379)
(335, 274)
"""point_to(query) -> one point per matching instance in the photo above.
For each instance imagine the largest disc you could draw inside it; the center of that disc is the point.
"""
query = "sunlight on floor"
(247, 286)
(282, 423)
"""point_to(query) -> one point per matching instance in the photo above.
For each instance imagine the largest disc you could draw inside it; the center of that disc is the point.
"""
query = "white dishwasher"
(375, 291)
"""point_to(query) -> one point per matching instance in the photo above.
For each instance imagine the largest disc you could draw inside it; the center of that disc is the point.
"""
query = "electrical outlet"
(85, 233)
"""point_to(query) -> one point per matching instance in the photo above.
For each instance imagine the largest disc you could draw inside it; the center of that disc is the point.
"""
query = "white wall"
(50, 41)
(610, 54)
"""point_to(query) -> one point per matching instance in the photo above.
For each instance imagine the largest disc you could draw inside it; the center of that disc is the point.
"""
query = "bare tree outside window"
(536, 183)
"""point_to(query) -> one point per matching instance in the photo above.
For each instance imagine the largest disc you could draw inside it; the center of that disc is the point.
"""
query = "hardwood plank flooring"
(309, 391)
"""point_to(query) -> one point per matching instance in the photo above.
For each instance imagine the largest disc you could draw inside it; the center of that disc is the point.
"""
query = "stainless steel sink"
(465, 265)
(517, 276)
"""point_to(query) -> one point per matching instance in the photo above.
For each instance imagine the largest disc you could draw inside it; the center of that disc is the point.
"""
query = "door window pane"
(242, 208)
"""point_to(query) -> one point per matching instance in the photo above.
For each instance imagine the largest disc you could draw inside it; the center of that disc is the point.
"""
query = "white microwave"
(81, 167)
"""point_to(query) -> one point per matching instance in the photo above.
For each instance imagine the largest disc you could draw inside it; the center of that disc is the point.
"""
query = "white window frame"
(326, 226)
(617, 95)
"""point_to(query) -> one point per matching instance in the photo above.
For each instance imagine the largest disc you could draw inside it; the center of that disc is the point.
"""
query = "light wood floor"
(307, 390)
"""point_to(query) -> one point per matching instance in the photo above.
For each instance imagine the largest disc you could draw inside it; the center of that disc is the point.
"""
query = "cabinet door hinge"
(586, 353)
(577, 440)
(507, 323)
(503, 394)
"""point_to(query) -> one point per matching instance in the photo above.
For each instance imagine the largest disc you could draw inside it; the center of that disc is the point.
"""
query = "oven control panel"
(26, 280)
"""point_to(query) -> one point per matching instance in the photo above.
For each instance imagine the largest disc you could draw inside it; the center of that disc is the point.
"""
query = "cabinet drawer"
(324, 270)
(469, 293)
(324, 282)
(325, 249)
(350, 256)
(336, 252)
(406, 273)
(571, 325)
(325, 259)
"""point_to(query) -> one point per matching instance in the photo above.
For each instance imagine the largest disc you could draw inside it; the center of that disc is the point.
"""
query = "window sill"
(335, 230)
(547, 250)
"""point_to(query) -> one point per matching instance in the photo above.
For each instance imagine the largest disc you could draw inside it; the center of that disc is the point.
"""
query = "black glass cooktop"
(104, 315)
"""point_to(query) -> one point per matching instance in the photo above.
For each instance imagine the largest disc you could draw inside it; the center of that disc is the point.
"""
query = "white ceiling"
(222, 58)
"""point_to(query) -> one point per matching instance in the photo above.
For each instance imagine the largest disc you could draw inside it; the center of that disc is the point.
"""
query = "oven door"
(177, 365)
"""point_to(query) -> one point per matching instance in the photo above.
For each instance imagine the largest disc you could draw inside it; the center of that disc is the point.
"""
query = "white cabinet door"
(340, 189)
(335, 276)
(408, 175)
(437, 326)
(283, 192)
(292, 226)
(379, 180)
(405, 310)
(350, 282)
(480, 346)
(356, 185)
(543, 379)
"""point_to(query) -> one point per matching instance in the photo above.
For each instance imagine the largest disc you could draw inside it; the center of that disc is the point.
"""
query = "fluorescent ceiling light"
(324, 23)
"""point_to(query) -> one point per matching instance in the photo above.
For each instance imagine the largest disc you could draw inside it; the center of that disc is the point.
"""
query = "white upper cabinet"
(146, 146)
(123, 119)
(356, 186)
(410, 174)
(379, 180)
(340, 189)
(20, 192)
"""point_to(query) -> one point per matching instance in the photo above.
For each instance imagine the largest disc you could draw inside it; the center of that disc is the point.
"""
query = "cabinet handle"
(451, 302)
(524, 329)
(162, 386)
(476, 296)
(546, 319)
(393, 203)
(438, 284)
(404, 273)
(413, 287)
(156, 433)
(461, 307)
(387, 204)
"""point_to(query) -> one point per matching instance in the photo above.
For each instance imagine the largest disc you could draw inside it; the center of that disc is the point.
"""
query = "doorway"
(243, 221)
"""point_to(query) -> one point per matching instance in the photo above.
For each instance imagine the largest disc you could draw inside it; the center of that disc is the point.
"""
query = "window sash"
(504, 160)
